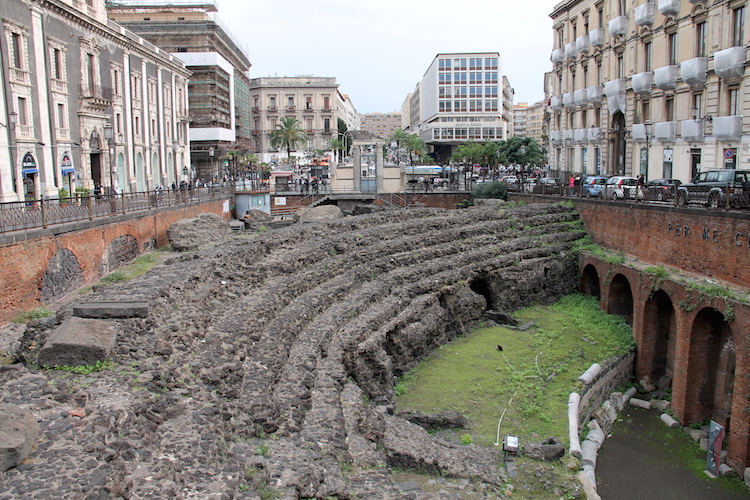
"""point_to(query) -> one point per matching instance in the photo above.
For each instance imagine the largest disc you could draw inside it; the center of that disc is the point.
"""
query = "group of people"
(306, 185)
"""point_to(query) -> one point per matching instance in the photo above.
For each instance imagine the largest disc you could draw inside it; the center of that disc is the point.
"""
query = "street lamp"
(697, 117)
(568, 143)
(211, 159)
(109, 134)
(12, 122)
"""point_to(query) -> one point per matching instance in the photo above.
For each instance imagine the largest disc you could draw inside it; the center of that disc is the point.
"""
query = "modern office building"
(381, 124)
(649, 88)
(463, 97)
(314, 101)
(218, 92)
(84, 102)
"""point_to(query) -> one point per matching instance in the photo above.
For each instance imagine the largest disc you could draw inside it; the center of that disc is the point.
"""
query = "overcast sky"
(378, 50)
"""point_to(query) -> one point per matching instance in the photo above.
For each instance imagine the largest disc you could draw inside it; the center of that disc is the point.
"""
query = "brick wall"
(25, 262)
(709, 243)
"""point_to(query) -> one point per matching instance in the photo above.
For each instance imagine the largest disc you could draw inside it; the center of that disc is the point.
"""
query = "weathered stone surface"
(548, 450)
(605, 415)
(78, 341)
(138, 309)
(436, 421)
(188, 234)
(747, 477)
(19, 431)
(501, 318)
(300, 332)
(318, 214)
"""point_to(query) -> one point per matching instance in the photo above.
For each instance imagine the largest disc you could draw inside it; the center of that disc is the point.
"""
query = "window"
(57, 64)
(698, 103)
(459, 64)
(23, 116)
(90, 68)
(290, 102)
(327, 124)
(669, 109)
(598, 72)
(444, 64)
(61, 122)
(700, 39)
(272, 102)
(672, 49)
(600, 16)
(734, 101)
(308, 102)
(475, 105)
(585, 76)
(17, 46)
(118, 124)
(648, 52)
(645, 111)
(560, 38)
(459, 78)
(738, 25)
(620, 65)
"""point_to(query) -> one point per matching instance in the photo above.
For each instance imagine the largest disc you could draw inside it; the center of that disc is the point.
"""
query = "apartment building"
(653, 88)
(519, 119)
(85, 103)
(463, 97)
(314, 101)
(218, 90)
(381, 124)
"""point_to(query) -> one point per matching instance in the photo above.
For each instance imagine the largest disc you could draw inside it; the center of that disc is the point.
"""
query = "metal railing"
(42, 213)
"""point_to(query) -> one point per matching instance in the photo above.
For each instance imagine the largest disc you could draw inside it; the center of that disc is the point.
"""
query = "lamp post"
(647, 129)
(175, 145)
(109, 134)
(211, 160)
(568, 142)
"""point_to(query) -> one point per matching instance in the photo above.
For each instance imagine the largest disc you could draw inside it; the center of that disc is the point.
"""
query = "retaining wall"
(44, 265)
(613, 375)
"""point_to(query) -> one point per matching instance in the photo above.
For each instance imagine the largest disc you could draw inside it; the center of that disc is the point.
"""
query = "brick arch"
(656, 352)
(62, 274)
(120, 250)
(711, 366)
(621, 298)
(590, 282)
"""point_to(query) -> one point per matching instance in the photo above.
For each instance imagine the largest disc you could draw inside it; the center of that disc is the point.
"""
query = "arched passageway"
(482, 287)
(590, 282)
(659, 337)
(711, 364)
(621, 298)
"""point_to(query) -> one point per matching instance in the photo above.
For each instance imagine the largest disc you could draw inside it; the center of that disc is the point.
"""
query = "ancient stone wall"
(614, 373)
(34, 270)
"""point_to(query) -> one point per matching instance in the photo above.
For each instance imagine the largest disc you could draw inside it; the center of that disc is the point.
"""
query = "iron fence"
(41, 213)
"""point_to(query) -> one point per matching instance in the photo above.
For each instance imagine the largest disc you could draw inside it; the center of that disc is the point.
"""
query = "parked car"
(621, 188)
(710, 188)
(592, 186)
(662, 189)
(549, 185)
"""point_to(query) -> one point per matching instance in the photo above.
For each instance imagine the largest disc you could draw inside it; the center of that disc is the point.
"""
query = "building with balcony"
(519, 119)
(652, 88)
(85, 103)
(462, 97)
(218, 91)
(528, 121)
(381, 124)
(314, 101)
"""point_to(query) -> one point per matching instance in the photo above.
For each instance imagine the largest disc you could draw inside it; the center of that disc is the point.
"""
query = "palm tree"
(399, 137)
(415, 146)
(288, 134)
(336, 146)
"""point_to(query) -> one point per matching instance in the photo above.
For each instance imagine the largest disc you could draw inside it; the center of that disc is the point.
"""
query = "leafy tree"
(399, 137)
(288, 134)
(415, 146)
(494, 189)
(522, 151)
(336, 146)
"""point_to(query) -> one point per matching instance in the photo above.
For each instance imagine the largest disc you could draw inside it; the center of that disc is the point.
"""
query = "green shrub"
(495, 189)
(36, 313)
(466, 439)
(63, 193)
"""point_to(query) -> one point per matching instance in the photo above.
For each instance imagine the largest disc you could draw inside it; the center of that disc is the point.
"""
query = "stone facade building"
(314, 101)
(70, 75)
(218, 91)
(381, 124)
(649, 88)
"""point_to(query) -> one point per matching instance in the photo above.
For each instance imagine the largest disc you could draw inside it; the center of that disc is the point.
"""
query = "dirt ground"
(641, 460)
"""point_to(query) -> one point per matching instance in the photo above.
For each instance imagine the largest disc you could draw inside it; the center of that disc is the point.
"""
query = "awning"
(27, 171)
(68, 170)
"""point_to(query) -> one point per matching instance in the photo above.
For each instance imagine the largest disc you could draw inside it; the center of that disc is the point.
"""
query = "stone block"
(19, 431)
(747, 477)
(549, 449)
(726, 471)
(78, 341)
(137, 309)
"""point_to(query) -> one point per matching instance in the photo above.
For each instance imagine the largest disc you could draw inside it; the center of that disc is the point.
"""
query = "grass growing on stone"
(32, 314)
(137, 267)
(528, 382)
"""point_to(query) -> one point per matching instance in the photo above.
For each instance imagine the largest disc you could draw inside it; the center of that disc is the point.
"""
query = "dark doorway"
(96, 168)
(621, 298)
(659, 338)
(617, 166)
(590, 282)
(711, 369)
(481, 287)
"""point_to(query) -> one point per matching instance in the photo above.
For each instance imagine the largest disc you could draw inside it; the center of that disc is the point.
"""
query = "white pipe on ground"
(590, 374)
(575, 443)
(667, 419)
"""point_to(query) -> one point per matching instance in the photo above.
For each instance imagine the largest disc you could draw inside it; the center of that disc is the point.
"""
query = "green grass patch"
(137, 267)
(83, 369)
(115, 276)
(529, 380)
(658, 271)
(32, 314)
